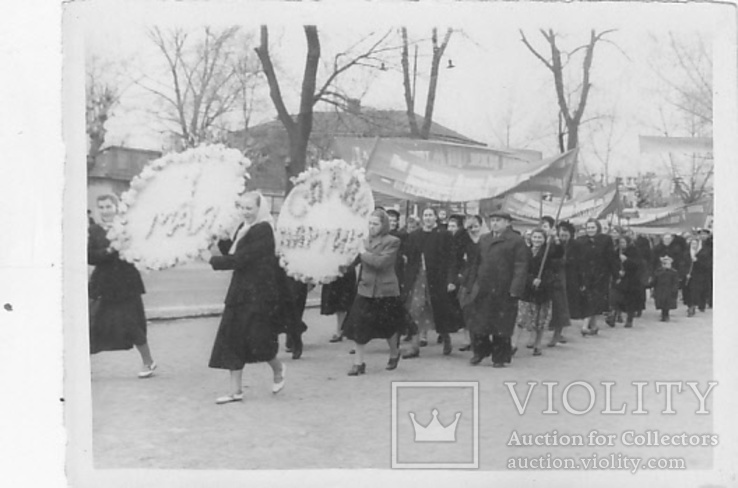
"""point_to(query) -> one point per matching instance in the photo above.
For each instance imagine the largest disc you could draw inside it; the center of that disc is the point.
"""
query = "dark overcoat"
(549, 278)
(498, 278)
(113, 279)
(665, 288)
(699, 283)
(629, 286)
(574, 273)
(597, 261)
(435, 248)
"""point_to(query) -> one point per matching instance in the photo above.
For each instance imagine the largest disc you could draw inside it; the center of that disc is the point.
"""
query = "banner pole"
(558, 212)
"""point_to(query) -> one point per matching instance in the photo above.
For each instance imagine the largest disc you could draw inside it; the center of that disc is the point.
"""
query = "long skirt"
(117, 326)
(338, 296)
(248, 333)
(419, 304)
(534, 316)
(374, 318)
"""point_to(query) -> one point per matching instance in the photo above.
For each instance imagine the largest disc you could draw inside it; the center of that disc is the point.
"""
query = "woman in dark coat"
(377, 312)
(117, 317)
(460, 241)
(560, 317)
(699, 276)
(643, 244)
(574, 278)
(254, 313)
(428, 253)
(498, 281)
(627, 285)
(597, 261)
(535, 307)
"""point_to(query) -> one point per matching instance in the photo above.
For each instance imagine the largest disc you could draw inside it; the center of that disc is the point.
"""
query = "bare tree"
(362, 54)
(409, 90)
(571, 105)
(209, 80)
(102, 98)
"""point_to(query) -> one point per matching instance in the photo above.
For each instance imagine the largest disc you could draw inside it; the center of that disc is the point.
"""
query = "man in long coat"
(499, 283)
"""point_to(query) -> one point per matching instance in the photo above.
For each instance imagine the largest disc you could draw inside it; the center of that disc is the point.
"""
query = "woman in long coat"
(698, 278)
(597, 260)
(627, 285)
(255, 302)
(559, 303)
(117, 317)
(498, 281)
(572, 269)
(428, 253)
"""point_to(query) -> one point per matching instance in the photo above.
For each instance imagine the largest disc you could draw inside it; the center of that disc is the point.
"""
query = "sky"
(495, 77)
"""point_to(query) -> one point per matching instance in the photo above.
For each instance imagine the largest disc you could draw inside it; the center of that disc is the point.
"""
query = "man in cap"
(498, 285)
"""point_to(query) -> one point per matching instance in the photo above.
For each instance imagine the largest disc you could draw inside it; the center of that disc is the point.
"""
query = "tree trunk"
(409, 95)
(433, 85)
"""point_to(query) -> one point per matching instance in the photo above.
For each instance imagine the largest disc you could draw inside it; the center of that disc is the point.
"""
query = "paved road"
(325, 419)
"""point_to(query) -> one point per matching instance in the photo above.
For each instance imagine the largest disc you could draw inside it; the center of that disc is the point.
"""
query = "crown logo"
(435, 431)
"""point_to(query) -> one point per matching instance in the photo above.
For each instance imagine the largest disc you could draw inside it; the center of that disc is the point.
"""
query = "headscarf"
(263, 214)
(384, 219)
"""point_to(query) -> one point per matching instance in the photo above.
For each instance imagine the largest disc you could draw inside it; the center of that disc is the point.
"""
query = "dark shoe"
(537, 352)
(702, 309)
(411, 354)
(446, 344)
(628, 324)
(439, 340)
(288, 344)
(562, 340)
(352, 351)
(336, 338)
(476, 360)
(408, 338)
(610, 320)
(594, 331)
(667, 319)
(529, 346)
(357, 369)
(690, 312)
(498, 365)
(297, 349)
(423, 342)
(619, 318)
(465, 347)
(585, 332)
(392, 363)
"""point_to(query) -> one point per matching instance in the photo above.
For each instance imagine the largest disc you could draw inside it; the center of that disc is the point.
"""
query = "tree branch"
(274, 91)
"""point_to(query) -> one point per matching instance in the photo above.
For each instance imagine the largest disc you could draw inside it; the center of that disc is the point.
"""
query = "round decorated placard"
(324, 221)
(179, 205)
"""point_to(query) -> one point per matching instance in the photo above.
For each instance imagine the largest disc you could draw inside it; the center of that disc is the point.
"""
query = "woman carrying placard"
(254, 305)
(117, 318)
(377, 312)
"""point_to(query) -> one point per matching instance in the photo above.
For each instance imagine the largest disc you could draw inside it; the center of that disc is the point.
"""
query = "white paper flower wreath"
(324, 221)
(179, 205)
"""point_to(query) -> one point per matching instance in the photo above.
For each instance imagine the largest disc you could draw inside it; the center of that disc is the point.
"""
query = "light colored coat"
(378, 277)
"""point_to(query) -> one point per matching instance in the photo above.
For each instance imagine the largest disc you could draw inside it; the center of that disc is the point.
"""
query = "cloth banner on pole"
(657, 144)
(599, 204)
(431, 170)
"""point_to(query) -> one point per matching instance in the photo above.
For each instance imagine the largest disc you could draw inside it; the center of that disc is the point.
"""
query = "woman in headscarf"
(429, 256)
(377, 311)
(254, 305)
(597, 261)
(117, 317)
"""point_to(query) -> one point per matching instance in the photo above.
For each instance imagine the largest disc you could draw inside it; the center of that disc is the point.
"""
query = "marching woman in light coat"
(377, 312)
(254, 311)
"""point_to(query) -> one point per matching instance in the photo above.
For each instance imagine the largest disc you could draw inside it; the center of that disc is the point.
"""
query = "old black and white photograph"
(398, 242)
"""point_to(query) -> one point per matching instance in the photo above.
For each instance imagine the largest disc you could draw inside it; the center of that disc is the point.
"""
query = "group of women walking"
(492, 282)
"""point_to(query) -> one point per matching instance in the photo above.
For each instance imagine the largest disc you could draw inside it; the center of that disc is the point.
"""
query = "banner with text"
(432, 170)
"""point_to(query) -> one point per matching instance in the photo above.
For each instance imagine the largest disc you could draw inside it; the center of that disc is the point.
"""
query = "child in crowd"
(666, 287)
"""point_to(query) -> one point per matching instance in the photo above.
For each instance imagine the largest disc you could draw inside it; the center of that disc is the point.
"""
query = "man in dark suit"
(500, 282)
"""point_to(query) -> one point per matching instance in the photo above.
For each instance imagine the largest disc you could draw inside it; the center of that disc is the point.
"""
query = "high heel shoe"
(277, 387)
(465, 347)
(392, 363)
(336, 338)
(357, 369)
(537, 352)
